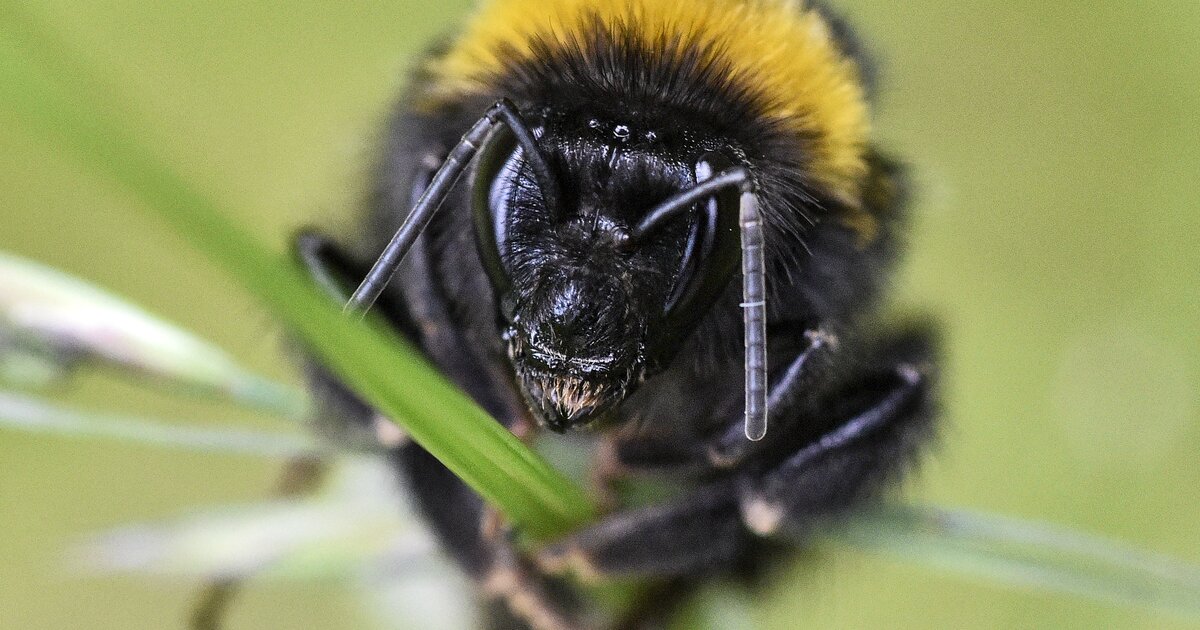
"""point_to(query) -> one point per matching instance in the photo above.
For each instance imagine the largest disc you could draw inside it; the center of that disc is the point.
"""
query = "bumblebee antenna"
(754, 283)
(504, 112)
(754, 314)
(682, 203)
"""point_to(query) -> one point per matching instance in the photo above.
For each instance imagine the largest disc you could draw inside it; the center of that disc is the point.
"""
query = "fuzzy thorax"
(778, 52)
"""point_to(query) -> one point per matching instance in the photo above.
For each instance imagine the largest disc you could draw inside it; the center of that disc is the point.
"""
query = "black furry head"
(580, 305)
(623, 124)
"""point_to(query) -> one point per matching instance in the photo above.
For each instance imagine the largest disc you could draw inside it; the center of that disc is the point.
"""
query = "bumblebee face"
(580, 303)
(576, 344)
(623, 103)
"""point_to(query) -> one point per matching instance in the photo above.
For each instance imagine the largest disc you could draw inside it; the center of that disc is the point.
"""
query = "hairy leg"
(885, 417)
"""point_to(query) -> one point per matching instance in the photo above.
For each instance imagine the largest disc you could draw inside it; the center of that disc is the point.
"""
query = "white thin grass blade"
(439, 597)
(287, 539)
(357, 530)
(28, 414)
(357, 523)
(50, 320)
(1028, 554)
(27, 369)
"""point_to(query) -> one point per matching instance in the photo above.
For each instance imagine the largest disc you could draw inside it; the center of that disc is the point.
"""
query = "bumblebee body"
(555, 292)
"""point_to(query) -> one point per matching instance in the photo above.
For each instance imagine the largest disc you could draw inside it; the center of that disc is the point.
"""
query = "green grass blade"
(34, 71)
(29, 414)
(1028, 554)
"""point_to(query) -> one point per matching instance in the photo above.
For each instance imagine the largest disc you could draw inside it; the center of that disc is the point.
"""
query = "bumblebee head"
(602, 260)
(588, 311)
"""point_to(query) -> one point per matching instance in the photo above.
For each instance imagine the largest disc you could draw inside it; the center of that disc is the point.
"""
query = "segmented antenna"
(503, 112)
(754, 315)
(754, 282)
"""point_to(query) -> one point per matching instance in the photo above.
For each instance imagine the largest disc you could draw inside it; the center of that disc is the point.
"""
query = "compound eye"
(499, 193)
(495, 179)
(705, 231)
(710, 256)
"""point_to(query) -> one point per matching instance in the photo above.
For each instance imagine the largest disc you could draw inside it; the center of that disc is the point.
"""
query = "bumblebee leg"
(335, 272)
(731, 447)
(889, 415)
(324, 264)
(883, 418)
(728, 448)
(702, 531)
(457, 517)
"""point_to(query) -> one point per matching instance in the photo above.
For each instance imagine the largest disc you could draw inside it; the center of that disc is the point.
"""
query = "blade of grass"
(369, 357)
(1028, 554)
(352, 525)
(37, 416)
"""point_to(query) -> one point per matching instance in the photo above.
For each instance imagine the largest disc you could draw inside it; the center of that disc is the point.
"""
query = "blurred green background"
(1056, 153)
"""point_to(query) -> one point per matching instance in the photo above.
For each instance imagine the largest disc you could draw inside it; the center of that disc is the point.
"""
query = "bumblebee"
(670, 247)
